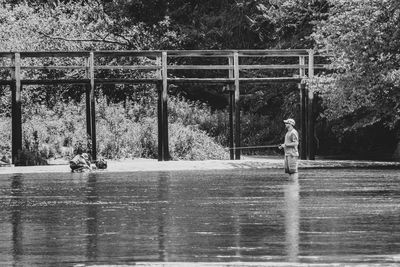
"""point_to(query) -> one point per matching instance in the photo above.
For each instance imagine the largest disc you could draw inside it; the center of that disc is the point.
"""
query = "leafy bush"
(190, 143)
(58, 131)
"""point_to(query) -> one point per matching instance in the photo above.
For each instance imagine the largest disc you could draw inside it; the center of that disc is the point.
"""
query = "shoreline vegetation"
(124, 130)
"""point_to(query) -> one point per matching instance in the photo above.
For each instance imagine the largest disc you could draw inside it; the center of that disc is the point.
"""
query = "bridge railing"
(227, 67)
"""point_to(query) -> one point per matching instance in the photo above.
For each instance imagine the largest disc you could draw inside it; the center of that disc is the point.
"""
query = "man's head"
(289, 123)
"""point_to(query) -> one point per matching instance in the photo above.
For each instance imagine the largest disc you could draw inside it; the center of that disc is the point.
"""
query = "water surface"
(345, 215)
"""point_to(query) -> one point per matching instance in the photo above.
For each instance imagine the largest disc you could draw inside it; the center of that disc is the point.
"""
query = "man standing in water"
(290, 148)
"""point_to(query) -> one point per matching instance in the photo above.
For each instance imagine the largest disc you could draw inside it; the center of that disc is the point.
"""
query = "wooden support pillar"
(302, 70)
(163, 146)
(231, 124)
(160, 122)
(16, 110)
(87, 94)
(91, 107)
(303, 121)
(231, 113)
(159, 86)
(237, 106)
(311, 110)
(311, 125)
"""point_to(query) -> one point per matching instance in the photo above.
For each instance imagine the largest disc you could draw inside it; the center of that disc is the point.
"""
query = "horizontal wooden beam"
(56, 81)
(252, 67)
(126, 81)
(155, 80)
(6, 82)
(127, 53)
(36, 54)
(270, 79)
(202, 80)
(51, 67)
(172, 67)
(153, 53)
(127, 67)
(199, 67)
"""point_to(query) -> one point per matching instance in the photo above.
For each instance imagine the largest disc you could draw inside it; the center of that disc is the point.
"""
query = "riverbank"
(134, 165)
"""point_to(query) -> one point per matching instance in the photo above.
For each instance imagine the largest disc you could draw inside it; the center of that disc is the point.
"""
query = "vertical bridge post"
(303, 110)
(303, 120)
(163, 147)
(237, 105)
(231, 112)
(91, 106)
(311, 109)
(16, 110)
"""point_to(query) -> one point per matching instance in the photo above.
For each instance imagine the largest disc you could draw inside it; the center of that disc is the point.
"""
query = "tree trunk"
(396, 154)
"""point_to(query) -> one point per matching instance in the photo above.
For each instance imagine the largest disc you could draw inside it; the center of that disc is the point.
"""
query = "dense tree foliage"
(359, 94)
(363, 38)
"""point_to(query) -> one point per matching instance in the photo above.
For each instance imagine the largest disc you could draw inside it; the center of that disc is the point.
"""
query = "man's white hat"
(290, 121)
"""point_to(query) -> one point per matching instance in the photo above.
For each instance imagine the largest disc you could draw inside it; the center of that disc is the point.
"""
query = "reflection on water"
(17, 203)
(292, 219)
(162, 211)
(91, 217)
(249, 215)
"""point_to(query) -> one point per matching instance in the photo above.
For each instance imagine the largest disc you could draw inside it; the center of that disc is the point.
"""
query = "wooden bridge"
(232, 68)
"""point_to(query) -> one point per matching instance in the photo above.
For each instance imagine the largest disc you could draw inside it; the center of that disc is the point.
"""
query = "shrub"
(190, 143)
(58, 131)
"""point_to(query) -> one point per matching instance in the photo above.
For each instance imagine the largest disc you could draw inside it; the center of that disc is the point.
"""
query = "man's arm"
(295, 141)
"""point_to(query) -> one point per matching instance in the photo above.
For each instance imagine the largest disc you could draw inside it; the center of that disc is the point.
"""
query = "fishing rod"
(250, 147)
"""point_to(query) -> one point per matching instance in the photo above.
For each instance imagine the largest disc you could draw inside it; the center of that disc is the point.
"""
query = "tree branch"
(81, 40)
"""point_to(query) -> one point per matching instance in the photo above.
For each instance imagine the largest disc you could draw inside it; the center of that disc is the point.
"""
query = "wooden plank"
(7, 54)
(51, 67)
(96, 67)
(241, 53)
(172, 67)
(231, 112)
(201, 80)
(154, 53)
(16, 111)
(126, 81)
(87, 96)
(36, 54)
(310, 112)
(164, 102)
(252, 67)
(128, 53)
(159, 111)
(302, 70)
(160, 116)
(198, 67)
(6, 82)
(199, 53)
(237, 104)
(55, 81)
(311, 124)
(93, 106)
(273, 53)
(155, 80)
(303, 119)
(270, 79)
(321, 66)
(127, 67)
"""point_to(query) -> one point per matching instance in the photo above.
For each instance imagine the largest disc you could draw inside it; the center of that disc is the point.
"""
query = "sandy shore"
(134, 165)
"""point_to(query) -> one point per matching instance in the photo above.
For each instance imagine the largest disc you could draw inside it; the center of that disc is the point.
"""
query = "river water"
(328, 216)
